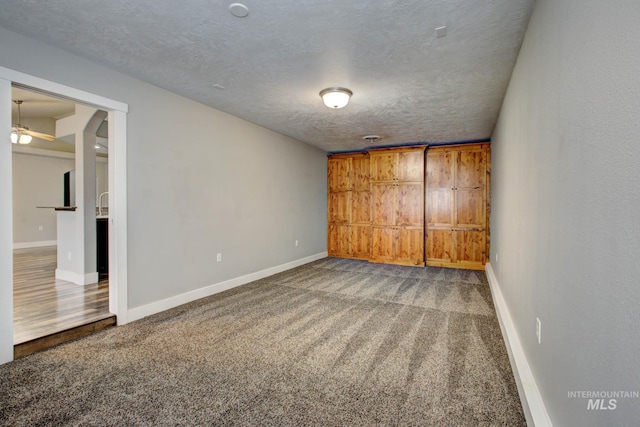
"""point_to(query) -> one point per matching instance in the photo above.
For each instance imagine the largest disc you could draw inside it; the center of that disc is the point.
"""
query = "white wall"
(102, 176)
(566, 204)
(37, 181)
(6, 235)
(199, 182)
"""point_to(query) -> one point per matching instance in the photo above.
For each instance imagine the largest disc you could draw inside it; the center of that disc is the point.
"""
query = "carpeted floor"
(332, 343)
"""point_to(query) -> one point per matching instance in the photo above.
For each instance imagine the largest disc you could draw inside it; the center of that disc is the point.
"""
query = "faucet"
(100, 203)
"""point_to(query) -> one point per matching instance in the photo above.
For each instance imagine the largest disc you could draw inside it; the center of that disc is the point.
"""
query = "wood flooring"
(47, 311)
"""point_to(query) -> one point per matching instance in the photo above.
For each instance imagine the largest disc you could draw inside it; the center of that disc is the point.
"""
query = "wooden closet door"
(410, 222)
(456, 206)
(360, 207)
(360, 227)
(360, 173)
(440, 188)
(471, 209)
(349, 206)
(397, 213)
(440, 206)
(383, 218)
(339, 206)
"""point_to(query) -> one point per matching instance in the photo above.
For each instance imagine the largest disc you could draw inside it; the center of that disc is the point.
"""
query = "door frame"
(117, 164)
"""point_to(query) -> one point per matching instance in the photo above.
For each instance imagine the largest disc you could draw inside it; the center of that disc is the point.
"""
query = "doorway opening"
(115, 163)
(50, 304)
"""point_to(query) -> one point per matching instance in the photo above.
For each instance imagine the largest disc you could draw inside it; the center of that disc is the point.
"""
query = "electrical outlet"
(69, 255)
(219, 257)
(497, 257)
(296, 243)
(40, 228)
(538, 329)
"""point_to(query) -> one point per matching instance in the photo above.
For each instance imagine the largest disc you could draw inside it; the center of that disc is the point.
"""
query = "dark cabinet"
(102, 241)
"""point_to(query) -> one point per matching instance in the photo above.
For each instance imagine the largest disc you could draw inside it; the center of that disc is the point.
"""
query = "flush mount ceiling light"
(335, 97)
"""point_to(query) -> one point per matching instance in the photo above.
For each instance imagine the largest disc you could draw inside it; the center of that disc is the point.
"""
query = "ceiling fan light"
(335, 97)
(24, 139)
(14, 138)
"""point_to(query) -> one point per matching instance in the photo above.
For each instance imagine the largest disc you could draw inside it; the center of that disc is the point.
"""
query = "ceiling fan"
(22, 135)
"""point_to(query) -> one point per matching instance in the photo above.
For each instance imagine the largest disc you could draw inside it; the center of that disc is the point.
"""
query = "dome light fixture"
(335, 97)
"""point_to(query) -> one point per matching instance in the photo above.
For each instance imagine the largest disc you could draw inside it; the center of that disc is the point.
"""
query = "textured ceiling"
(408, 85)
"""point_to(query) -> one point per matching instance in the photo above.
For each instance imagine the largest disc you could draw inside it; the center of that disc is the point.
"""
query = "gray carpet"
(334, 342)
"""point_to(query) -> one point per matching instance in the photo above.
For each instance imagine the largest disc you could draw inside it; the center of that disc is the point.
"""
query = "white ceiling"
(408, 85)
(38, 105)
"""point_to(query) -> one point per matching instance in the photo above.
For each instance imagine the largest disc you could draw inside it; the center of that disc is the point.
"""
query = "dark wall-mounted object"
(70, 188)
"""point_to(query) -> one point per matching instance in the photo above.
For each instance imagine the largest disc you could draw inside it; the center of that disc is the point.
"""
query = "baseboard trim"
(168, 303)
(78, 279)
(532, 403)
(43, 243)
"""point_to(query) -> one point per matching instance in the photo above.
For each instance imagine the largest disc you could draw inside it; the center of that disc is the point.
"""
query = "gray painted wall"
(566, 204)
(199, 181)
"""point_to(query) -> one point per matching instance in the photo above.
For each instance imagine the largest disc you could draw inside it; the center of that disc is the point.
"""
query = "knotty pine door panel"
(471, 209)
(339, 173)
(383, 166)
(360, 173)
(411, 166)
(440, 212)
(360, 241)
(361, 207)
(338, 241)
(410, 202)
(384, 201)
(440, 169)
(383, 244)
(440, 246)
(471, 169)
(410, 245)
(470, 247)
(339, 206)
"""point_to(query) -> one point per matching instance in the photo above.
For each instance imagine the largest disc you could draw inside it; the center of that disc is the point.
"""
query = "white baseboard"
(25, 245)
(532, 403)
(168, 303)
(78, 279)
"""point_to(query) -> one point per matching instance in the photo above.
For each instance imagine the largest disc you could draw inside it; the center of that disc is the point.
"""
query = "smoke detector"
(371, 138)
